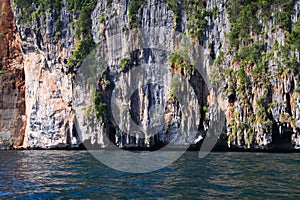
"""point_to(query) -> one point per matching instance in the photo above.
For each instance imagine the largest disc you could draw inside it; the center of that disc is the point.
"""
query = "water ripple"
(77, 175)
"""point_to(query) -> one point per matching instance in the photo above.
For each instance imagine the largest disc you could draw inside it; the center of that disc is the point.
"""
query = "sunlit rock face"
(142, 89)
(48, 92)
(48, 103)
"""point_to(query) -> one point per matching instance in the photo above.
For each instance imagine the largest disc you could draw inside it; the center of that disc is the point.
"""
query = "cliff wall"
(63, 61)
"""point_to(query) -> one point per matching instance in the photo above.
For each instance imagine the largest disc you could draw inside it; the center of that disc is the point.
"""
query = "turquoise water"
(77, 175)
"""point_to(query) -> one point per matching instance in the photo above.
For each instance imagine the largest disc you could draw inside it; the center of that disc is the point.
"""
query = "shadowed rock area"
(12, 81)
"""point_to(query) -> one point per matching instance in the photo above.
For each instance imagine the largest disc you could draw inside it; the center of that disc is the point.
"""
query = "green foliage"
(245, 21)
(262, 112)
(287, 63)
(148, 139)
(175, 86)
(124, 63)
(250, 137)
(217, 74)
(11, 141)
(196, 18)
(88, 111)
(109, 3)
(251, 54)
(83, 48)
(105, 78)
(242, 15)
(215, 12)
(233, 134)
(85, 9)
(243, 80)
(102, 18)
(101, 109)
(98, 106)
(59, 27)
(283, 17)
(271, 105)
(260, 75)
(134, 6)
(78, 5)
(220, 59)
(31, 8)
(83, 29)
(205, 108)
(255, 55)
(26, 9)
(246, 39)
(174, 6)
(291, 121)
(245, 15)
(179, 60)
(294, 38)
(260, 101)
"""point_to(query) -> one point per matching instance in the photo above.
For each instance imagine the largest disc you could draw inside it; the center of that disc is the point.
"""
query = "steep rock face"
(127, 56)
(260, 93)
(48, 84)
(12, 81)
(259, 100)
(260, 80)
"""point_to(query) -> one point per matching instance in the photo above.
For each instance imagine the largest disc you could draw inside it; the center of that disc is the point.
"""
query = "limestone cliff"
(48, 86)
(250, 54)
